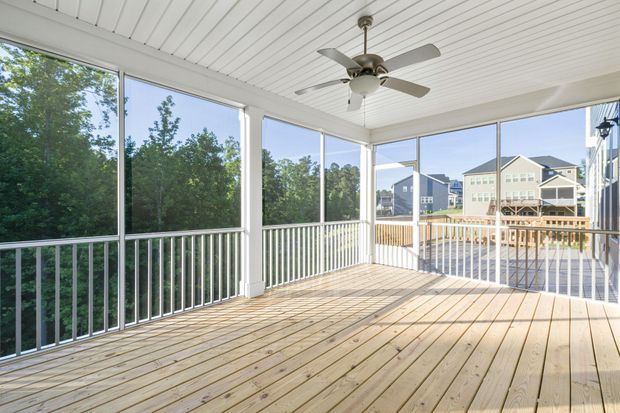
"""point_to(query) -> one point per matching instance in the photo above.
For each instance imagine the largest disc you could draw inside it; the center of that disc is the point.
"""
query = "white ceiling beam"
(26, 22)
(553, 99)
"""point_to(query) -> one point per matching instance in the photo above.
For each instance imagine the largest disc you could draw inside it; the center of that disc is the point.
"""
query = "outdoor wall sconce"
(605, 127)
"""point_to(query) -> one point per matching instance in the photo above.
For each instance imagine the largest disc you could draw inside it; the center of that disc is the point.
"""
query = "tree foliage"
(58, 179)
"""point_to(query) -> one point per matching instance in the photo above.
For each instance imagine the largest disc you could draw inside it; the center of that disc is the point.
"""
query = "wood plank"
(607, 356)
(343, 342)
(555, 386)
(158, 385)
(187, 344)
(463, 389)
(282, 362)
(523, 391)
(428, 395)
(585, 388)
(274, 300)
(251, 395)
(400, 351)
(492, 392)
(416, 366)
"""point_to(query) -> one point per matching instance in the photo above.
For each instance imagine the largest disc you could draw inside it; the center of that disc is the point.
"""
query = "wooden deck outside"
(370, 338)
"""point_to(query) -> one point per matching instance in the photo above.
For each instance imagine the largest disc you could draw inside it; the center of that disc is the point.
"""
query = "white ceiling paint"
(28, 23)
(492, 50)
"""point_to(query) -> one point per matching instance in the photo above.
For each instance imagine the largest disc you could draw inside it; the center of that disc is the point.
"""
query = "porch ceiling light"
(365, 84)
(605, 127)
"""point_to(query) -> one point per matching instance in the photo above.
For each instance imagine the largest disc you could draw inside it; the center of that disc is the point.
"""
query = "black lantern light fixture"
(605, 126)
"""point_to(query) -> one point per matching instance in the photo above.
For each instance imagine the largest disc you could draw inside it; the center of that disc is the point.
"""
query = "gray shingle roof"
(440, 177)
(545, 161)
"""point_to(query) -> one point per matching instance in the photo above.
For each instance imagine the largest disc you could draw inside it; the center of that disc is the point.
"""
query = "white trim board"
(554, 99)
(28, 23)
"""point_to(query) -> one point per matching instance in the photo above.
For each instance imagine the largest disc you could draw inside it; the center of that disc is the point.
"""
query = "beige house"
(539, 185)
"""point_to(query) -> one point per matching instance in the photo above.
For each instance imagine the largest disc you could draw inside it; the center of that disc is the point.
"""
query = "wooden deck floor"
(370, 338)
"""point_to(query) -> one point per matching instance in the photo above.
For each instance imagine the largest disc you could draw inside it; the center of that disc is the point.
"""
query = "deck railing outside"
(298, 251)
(564, 259)
(77, 279)
(575, 262)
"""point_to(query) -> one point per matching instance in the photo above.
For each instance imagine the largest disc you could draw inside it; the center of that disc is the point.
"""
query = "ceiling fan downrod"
(364, 23)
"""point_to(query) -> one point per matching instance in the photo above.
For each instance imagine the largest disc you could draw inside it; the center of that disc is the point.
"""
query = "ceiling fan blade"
(409, 88)
(341, 58)
(355, 102)
(321, 86)
(418, 55)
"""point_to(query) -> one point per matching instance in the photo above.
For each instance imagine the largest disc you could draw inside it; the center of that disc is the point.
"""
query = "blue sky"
(559, 134)
(285, 140)
(195, 113)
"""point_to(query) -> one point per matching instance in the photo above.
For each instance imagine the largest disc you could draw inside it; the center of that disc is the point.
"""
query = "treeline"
(58, 179)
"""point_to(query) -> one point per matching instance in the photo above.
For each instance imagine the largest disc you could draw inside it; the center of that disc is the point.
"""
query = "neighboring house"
(455, 198)
(538, 185)
(433, 194)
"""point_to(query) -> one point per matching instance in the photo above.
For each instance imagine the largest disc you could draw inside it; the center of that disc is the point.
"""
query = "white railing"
(298, 251)
(567, 261)
(394, 244)
(69, 289)
(462, 250)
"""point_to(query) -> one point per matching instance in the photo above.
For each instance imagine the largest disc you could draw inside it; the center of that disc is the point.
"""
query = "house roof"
(567, 182)
(546, 161)
(433, 177)
(440, 177)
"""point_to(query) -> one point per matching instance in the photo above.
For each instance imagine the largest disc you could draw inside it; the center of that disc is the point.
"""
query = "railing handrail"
(403, 223)
(148, 235)
(566, 229)
(310, 224)
(58, 241)
(111, 238)
(450, 224)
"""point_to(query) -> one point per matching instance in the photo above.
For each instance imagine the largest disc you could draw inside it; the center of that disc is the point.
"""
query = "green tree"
(342, 192)
(57, 178)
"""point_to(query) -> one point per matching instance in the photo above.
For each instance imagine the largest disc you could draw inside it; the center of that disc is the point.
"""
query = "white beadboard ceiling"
(491, 49)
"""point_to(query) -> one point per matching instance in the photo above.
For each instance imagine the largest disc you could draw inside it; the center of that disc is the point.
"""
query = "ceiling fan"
(367, 71)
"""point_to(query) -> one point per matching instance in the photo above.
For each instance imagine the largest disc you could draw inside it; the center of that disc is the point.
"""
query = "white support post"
(120, 197)
(416, 209)
(367, 204)
(498, 203)
(322, 233)
(251, 283)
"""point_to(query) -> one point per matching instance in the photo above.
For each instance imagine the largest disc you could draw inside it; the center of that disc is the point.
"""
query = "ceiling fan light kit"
(365, 84)
(368, 72)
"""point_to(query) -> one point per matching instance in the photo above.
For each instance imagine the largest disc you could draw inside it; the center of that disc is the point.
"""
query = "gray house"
(434, 191)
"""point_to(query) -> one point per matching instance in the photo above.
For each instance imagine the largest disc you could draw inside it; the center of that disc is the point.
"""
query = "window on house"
(485, 180)
(405, 187)
(508, 178)
(547, 193)
(530, 176)
(530, 194)
(523, 177)
(565, 193)
(491, 179)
